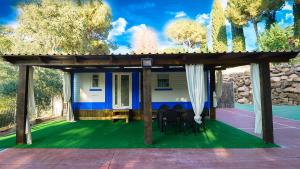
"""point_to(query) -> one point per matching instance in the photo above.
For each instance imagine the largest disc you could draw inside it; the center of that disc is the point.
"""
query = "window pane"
(95, 81)
(116, 89)
(125, 90)
(163, 81)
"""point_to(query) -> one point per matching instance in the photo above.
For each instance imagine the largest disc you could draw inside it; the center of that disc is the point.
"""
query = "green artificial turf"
(105, 134)
(285, 111)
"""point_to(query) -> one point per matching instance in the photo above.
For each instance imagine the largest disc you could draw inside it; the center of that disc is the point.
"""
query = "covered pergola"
(145, 63)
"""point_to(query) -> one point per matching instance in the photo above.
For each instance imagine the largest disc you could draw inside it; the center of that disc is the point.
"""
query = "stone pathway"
(287, 134)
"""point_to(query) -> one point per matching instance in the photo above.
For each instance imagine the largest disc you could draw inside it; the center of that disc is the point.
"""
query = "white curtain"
(196, 88)
(67, 96)
(256, 97)
(31, 109)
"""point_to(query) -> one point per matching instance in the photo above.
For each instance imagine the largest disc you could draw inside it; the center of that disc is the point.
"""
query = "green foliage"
(240, 12)
(187, 33)
(174, 50)
(219, 35)
(54, 26)
(238, 38)
(48, 83)
(297, 19)
(276, 39)
(270, 7)
(5, 43)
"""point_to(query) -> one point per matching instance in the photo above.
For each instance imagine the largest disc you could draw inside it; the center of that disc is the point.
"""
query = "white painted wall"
(178, 84)
(82, 86)
(179, 92)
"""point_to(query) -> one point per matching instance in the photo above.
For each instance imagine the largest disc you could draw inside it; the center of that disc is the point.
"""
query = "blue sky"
(129, 15)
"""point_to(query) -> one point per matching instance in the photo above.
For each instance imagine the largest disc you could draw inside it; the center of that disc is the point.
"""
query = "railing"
(7, 118)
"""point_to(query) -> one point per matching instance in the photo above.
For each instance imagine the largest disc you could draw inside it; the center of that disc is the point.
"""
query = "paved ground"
(287, 134)
(284, 111)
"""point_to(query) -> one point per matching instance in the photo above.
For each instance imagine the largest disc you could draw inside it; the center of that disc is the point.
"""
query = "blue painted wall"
(135, 91)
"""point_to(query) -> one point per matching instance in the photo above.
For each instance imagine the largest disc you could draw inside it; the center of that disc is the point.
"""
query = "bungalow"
(96, 94)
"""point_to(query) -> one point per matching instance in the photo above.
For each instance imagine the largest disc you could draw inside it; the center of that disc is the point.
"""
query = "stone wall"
(285, 82)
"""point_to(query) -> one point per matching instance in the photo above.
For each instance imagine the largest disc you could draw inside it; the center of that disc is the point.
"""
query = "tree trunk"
(270, 20)
(238, 38)
(297, 19)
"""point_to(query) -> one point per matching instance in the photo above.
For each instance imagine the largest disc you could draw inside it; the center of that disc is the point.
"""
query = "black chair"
(163, 108)
(189, 122)
(170, 118)
(179, 109)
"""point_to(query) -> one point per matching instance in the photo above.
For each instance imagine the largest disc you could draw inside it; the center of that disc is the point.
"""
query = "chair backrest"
(163, 108)
(170, 115)
(188, 116)
(178, 107)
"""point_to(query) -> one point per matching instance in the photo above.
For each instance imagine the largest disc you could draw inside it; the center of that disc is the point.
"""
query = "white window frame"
(158, 87)
(92, 79)
(118, 106)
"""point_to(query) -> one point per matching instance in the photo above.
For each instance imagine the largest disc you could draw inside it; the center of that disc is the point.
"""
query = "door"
(122, 91)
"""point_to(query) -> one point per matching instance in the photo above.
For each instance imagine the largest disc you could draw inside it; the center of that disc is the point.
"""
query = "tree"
(297, 19)
(276, 39)
(5, 42)
(219, 36)
(241, 12)
(47, 84)
(270, 7)
(238, 38)
(187, 33)
(171, 50)
(144, 40)
(54, 26)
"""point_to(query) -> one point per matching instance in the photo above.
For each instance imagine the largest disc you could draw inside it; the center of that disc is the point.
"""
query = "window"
(163, 81)
(95, 81)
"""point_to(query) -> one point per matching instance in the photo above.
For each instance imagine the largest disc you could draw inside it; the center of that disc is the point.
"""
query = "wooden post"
(212, 111)
(266, 102)
(147, 105)
(22, 104)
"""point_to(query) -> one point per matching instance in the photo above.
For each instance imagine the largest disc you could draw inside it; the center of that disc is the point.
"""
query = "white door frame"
(119, 106)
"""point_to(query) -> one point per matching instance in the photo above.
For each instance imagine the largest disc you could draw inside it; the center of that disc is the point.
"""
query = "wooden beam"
(22, 105)
(212, 111)
(266, 102)
(220, 59)
(43, 59)
(76, 59)
(147, 105)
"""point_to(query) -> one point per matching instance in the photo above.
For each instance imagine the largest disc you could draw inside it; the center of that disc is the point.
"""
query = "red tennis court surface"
(287, 134)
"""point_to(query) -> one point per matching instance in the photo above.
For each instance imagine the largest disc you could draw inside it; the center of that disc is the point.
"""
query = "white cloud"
(121, 50)
(287, 6)
(203, 18)
(13, 25)
(180, 14)
(289, 16)
(136, 28)
(119, 27)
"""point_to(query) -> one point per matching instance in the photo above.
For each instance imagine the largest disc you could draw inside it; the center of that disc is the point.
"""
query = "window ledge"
(163, 89)
(95, 90)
